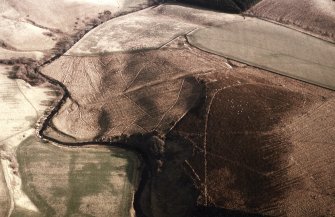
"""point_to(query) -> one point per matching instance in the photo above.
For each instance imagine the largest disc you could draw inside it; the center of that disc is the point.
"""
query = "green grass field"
(92, 181)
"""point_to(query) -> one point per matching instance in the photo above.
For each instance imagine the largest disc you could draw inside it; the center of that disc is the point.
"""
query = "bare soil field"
(314, 16)
(217, 137)
(263, 144)
(91, 181)
(24, 36)
(136, 92)
(126, 93)
(246, 132)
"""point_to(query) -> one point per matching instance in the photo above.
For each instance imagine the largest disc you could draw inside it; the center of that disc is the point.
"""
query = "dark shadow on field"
(212, 211)
(248, 156)
(228, 6)
(247, 152)
(104, 121)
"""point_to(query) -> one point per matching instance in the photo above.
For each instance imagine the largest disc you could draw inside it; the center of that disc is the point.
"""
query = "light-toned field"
(273, 47)
(25, 36)
(262, 143)
(28, 26)
(92, 181)
(115, 93)
(150, 28)
(21, 106)
(109, 176)
(65, 15)
(314, 16)
(12, 54)
(127, 93)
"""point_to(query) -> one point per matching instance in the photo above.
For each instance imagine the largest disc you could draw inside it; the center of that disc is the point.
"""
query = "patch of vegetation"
(85, 182)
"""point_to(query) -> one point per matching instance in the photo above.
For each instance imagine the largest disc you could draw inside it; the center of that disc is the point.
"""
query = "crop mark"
(141, 127)
(83, 120)
(18, 87)
(138, 106)
(90, 78)
(97, 73)
(193, 170)
(173, 105)
(235, 162)
(205, 135)
(137, 74)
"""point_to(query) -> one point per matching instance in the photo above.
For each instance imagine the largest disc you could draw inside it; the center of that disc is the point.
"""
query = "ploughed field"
(217, 137)
(248, 127)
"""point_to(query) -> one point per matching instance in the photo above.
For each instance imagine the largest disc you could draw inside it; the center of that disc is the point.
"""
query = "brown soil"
(246, 155)
(127, 93)
(257, 142)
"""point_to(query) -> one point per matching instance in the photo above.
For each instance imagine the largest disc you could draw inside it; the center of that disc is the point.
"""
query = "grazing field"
(91, 181)
(276, 48)
(314, 16)
(127, 93)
